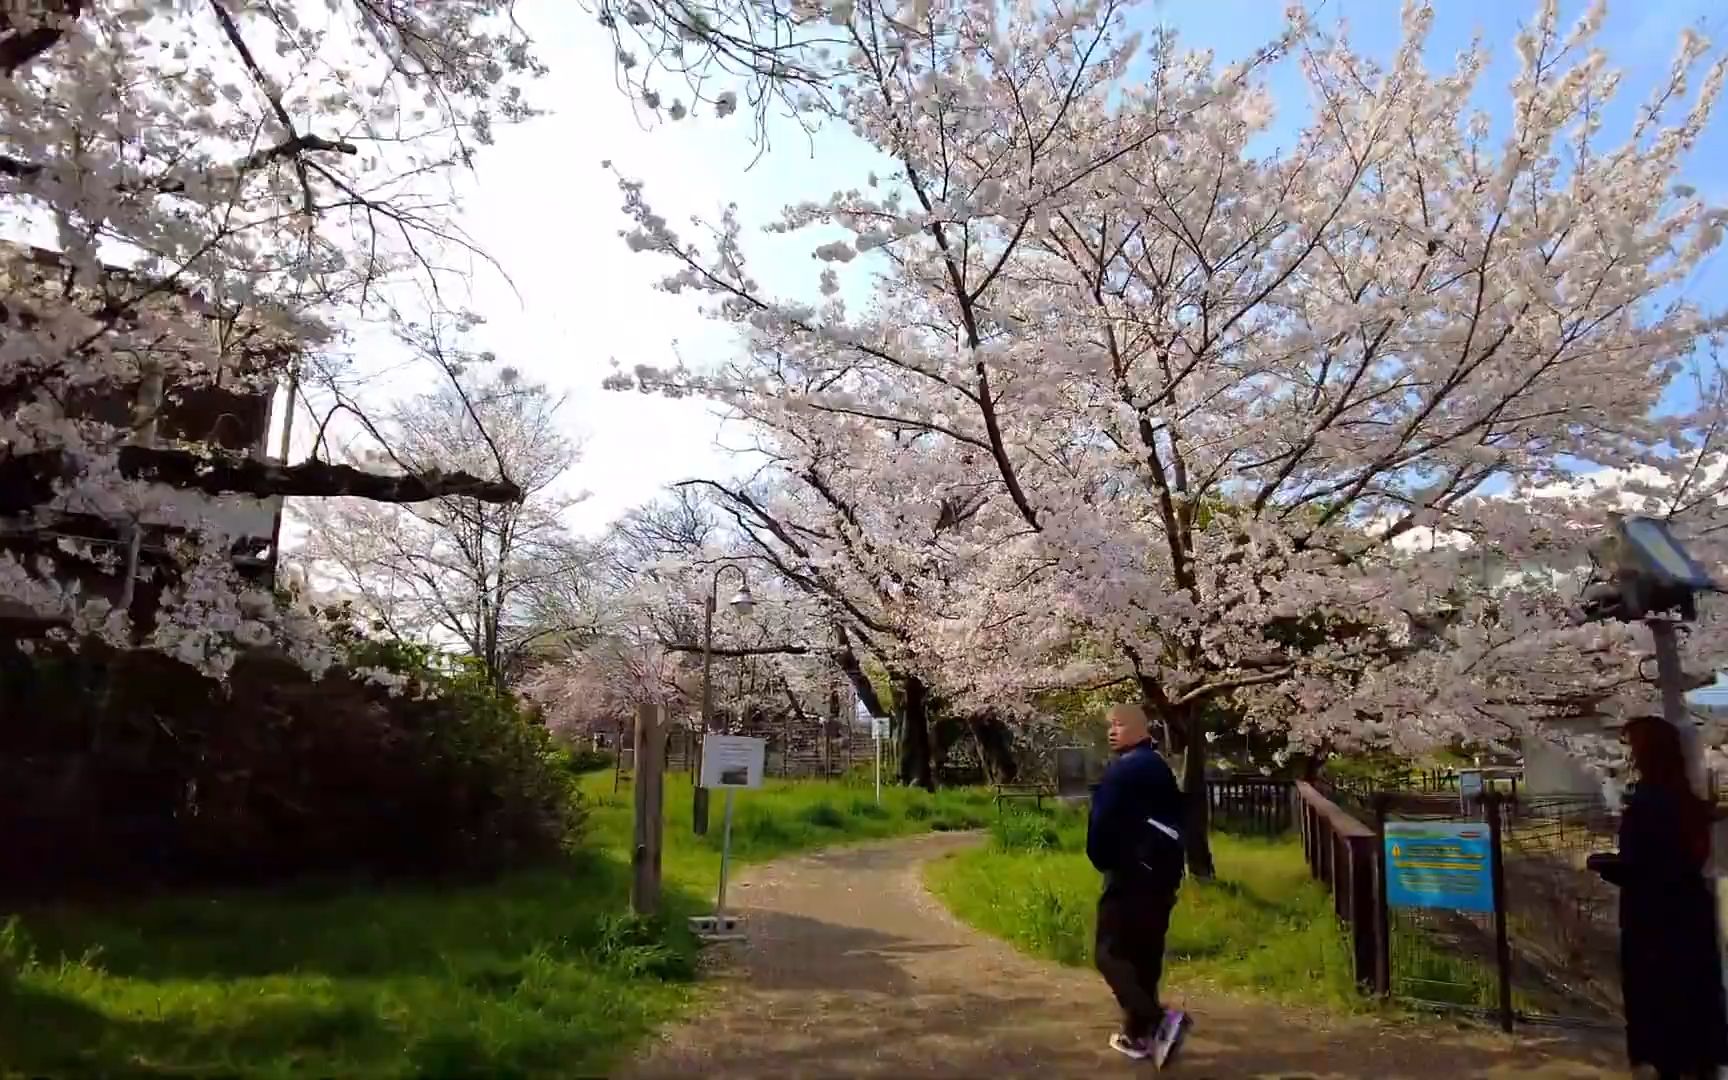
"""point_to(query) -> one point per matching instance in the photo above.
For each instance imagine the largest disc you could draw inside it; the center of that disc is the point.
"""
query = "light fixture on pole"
(1654, 580)
(742, 602)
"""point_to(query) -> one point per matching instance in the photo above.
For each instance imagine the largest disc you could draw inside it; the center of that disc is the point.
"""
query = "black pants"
(1132, 922)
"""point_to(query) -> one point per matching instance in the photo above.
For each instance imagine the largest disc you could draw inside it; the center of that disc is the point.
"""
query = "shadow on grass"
(537, 974)
(366, 931)
(51, 1034)
(1287, 908)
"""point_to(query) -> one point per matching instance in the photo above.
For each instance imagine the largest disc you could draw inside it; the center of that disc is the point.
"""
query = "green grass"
(1261, 926)
(539, 974)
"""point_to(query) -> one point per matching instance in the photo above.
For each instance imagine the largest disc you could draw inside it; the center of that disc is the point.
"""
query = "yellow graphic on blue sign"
(1439, 865)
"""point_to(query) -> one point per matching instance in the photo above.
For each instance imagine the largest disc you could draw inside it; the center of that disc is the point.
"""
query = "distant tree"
(498, 580)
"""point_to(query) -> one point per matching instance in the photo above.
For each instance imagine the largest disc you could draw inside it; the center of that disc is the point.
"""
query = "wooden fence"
(1343, 854)
(1251, 804)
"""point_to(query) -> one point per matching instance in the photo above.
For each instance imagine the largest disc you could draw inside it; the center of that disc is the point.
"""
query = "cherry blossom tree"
(214, 191)
(1207, 392)
(647, 642)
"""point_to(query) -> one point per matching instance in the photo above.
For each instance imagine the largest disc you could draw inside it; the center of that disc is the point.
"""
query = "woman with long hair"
(1670, 964)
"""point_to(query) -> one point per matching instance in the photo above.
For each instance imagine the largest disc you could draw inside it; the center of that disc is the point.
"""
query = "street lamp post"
(1655, 580)
(741, 602)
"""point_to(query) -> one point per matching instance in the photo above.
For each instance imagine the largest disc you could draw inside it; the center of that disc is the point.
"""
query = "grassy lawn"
(1262, 926)
(539, 974)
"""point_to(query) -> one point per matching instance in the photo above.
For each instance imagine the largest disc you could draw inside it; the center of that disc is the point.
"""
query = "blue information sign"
(1438, 865)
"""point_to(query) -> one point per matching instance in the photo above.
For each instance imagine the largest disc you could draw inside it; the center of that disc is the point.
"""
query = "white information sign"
(733, 761)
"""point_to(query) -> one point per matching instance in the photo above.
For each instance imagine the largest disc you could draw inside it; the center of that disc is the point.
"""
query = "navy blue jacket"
(1137, 788)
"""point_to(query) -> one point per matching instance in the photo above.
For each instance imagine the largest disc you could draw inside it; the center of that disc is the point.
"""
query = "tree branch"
(29, 480)
(22, 45)
(736, 652)
(287, 148)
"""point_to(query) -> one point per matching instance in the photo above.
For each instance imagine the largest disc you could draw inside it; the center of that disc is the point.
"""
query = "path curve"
(853, 969)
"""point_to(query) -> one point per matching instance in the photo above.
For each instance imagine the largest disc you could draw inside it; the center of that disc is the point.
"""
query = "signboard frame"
(733, 761)
(1440, 865)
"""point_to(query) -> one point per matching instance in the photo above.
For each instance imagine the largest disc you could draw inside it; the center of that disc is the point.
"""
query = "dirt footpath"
(853, 969)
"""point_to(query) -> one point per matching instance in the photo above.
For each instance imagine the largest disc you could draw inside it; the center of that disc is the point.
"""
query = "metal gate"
(1534, 939)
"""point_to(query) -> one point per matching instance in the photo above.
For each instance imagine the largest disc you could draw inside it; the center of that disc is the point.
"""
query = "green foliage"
(1033, 832)
(881, 683)
(153, 774)
(785, 816)
(642, 948)
(535, 974)
(861, 807)
(532, 975)
(578, 763)
(1261, 926)
(17, 952)
(824, 816)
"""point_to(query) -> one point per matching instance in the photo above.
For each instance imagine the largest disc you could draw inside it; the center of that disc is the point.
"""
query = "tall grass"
(1262, 925)
(540, 974)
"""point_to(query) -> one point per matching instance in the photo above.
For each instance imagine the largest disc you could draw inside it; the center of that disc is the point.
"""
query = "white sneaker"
(1137, 1049)
(1169, 1035)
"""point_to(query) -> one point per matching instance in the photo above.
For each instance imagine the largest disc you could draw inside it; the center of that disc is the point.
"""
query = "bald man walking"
(1134, 839)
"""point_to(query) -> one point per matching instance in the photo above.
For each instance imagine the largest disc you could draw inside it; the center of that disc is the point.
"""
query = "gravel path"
(853, 969)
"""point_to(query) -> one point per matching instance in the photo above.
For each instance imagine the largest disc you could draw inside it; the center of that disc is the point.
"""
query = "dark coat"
(1137, 788)
(1670, 966)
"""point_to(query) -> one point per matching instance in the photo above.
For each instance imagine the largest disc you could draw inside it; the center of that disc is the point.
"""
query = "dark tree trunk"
(945, 732)
(847, 659)
(912, 702)
(1185, 733)
(1197, 823)
(995, 744)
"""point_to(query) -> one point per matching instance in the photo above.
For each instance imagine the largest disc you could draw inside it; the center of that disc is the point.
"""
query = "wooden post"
(618, 757)
(1382, 912)
(1502, 944)
(650, 776)
(1364, 933)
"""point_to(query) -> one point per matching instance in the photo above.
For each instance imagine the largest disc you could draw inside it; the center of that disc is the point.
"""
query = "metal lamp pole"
(741, 603)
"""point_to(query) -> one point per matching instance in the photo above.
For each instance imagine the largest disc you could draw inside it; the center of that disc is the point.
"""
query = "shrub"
(1024, 832)
(638, 948)
(824, 816)
(149, 773)
(584, 761)
(17, 953)
(867, 808)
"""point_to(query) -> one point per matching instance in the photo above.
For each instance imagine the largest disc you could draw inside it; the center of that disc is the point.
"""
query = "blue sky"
(540, 203)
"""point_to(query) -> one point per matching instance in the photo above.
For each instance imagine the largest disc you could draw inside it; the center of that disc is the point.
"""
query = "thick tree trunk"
(995, 744)
(1197, 823)
(846, 658)
(912, 703)
(1185, 733)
